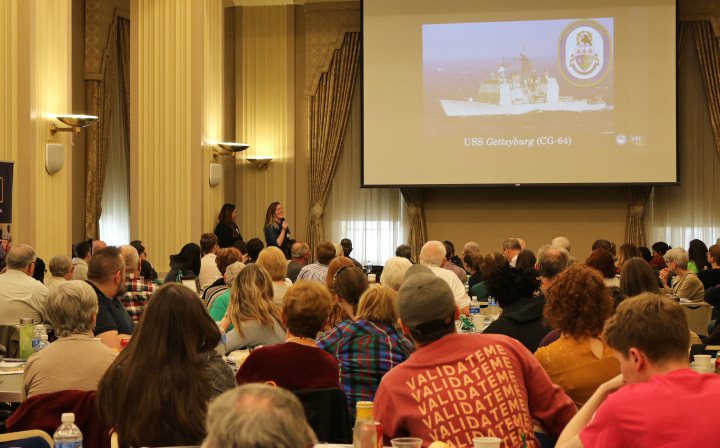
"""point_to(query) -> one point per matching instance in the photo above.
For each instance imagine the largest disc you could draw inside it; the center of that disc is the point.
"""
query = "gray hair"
(550, 265)
(512, 244)
(20, 257)
(299, 250)
(679, 256)
(394, 272)
(471, 246)
(232, 271)
(130, 256)
(60, 265)
(432, 253)
(258, 416)
(70, 307)
(338, 250)
(562, 242)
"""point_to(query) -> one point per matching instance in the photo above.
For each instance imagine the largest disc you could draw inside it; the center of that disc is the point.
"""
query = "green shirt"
(219, 308)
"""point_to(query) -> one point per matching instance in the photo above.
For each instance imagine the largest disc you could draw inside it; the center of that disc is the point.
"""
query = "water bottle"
(474, 306)
(179, 276)
(68, 435)
(26, 337)
(493, 309)
(220, 349)
(37, 338)
(364, 432)
(43, 343)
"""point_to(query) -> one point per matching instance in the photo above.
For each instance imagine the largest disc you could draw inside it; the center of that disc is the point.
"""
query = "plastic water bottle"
(43, 343)
(474, 306)
(364, 432)
(68, 435)
(493, 309)
(37, 338)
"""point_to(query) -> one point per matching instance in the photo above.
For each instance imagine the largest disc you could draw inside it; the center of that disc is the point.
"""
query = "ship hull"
(454, 108)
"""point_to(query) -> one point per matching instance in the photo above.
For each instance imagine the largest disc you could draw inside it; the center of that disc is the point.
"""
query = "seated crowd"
(591, 353)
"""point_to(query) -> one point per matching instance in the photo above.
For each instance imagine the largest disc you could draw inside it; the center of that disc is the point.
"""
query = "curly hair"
(510, 285)
(578, 303)
(602, 260)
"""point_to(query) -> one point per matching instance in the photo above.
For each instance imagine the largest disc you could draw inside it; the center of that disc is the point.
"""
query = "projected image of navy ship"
(520, 93)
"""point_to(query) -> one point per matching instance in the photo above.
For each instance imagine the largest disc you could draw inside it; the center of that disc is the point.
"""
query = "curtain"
(374, 219)
(708, 50)
(99, 101)
(678, 214)
(329, 111)
(124, 76)
(635, 227)
(415, 199)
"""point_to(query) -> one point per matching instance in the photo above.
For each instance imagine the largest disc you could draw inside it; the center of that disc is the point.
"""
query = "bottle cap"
(68, 417)
(44, 337)
(39, 327)
(27, 321)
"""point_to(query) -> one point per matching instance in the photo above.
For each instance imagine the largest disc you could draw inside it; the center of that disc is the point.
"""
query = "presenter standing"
(227, 231)
(277, 230)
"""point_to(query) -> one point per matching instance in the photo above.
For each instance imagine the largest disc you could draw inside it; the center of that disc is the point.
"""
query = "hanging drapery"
(415, 199)
(99, 102)
(329, 111)
(708, 49)
(635, 227)
(123, 33)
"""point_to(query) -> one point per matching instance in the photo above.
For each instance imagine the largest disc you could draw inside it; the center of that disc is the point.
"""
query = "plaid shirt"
(314, 272)
(138, 293)
(365, 351)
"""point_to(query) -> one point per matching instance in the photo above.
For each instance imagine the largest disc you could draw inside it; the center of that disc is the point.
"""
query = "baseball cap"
(426, 304)
(346, 243)
(416, 269)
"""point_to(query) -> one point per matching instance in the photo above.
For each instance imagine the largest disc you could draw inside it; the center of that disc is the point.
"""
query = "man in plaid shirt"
(138, 289)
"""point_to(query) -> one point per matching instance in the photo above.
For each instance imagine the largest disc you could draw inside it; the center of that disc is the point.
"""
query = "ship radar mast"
(527, 65)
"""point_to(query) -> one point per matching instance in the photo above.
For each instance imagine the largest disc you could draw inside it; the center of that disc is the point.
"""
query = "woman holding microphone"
(276, 228)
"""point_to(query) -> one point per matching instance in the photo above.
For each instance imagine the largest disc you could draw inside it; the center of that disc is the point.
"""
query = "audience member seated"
(146, 269)
(337, 313)
(21, 296)
(698, 256)
(627, 251)
(563, 243)
(137, 289)
(492, 261)
(551, 261)
(432, 255)
(209, 271)
(185, 263)
(368, 347)
(452, 257)
(61, 270)
(255, 319)
(658, 260)
(317, 272)
(394, 272)
(273, 260)
(76, 360)
(686, 284)
(526, 259)
(404, 251)
(254, 246)
(347, 248)
(156, 392)
(300, 253)
(220, 305)
(602, 244)
(602, 261)
(645, 254)
(83, 252)
(226, 230)
(511, 249)
(258, 416)
(449, 372)
(473, 262)
(106, 275)
(224, 258)
(637, 277)
(658, 400)
(522, 313)
(579, 361)
(711, 277)
(298, 363)
(451, 266)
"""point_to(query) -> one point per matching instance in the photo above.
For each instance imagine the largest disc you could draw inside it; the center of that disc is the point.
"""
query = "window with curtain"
(374, 219)
(680, 214)
(115, 217)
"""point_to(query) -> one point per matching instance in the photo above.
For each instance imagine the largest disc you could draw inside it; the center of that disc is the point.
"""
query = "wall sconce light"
(263, 162)
(74, 121)
(231, 148)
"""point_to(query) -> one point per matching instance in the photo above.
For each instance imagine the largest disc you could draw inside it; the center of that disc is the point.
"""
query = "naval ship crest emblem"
(585, 52)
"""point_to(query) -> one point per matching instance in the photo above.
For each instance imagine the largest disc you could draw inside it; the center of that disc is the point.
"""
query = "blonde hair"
(379, 305)
(251, 298)
(273, 260)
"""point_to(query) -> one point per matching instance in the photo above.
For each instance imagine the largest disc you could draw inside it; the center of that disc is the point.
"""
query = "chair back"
(44, 412)
(698, 316)
(27, 439)
(326, 411)
(10, 339)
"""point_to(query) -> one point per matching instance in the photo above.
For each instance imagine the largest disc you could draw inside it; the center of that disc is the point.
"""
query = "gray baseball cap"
(426, 303)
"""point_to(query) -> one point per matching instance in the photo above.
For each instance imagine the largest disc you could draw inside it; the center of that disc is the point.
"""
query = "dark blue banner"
(6, 183)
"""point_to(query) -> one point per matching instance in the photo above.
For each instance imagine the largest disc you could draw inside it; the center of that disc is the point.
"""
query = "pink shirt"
(465, 386)
(678, 409)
